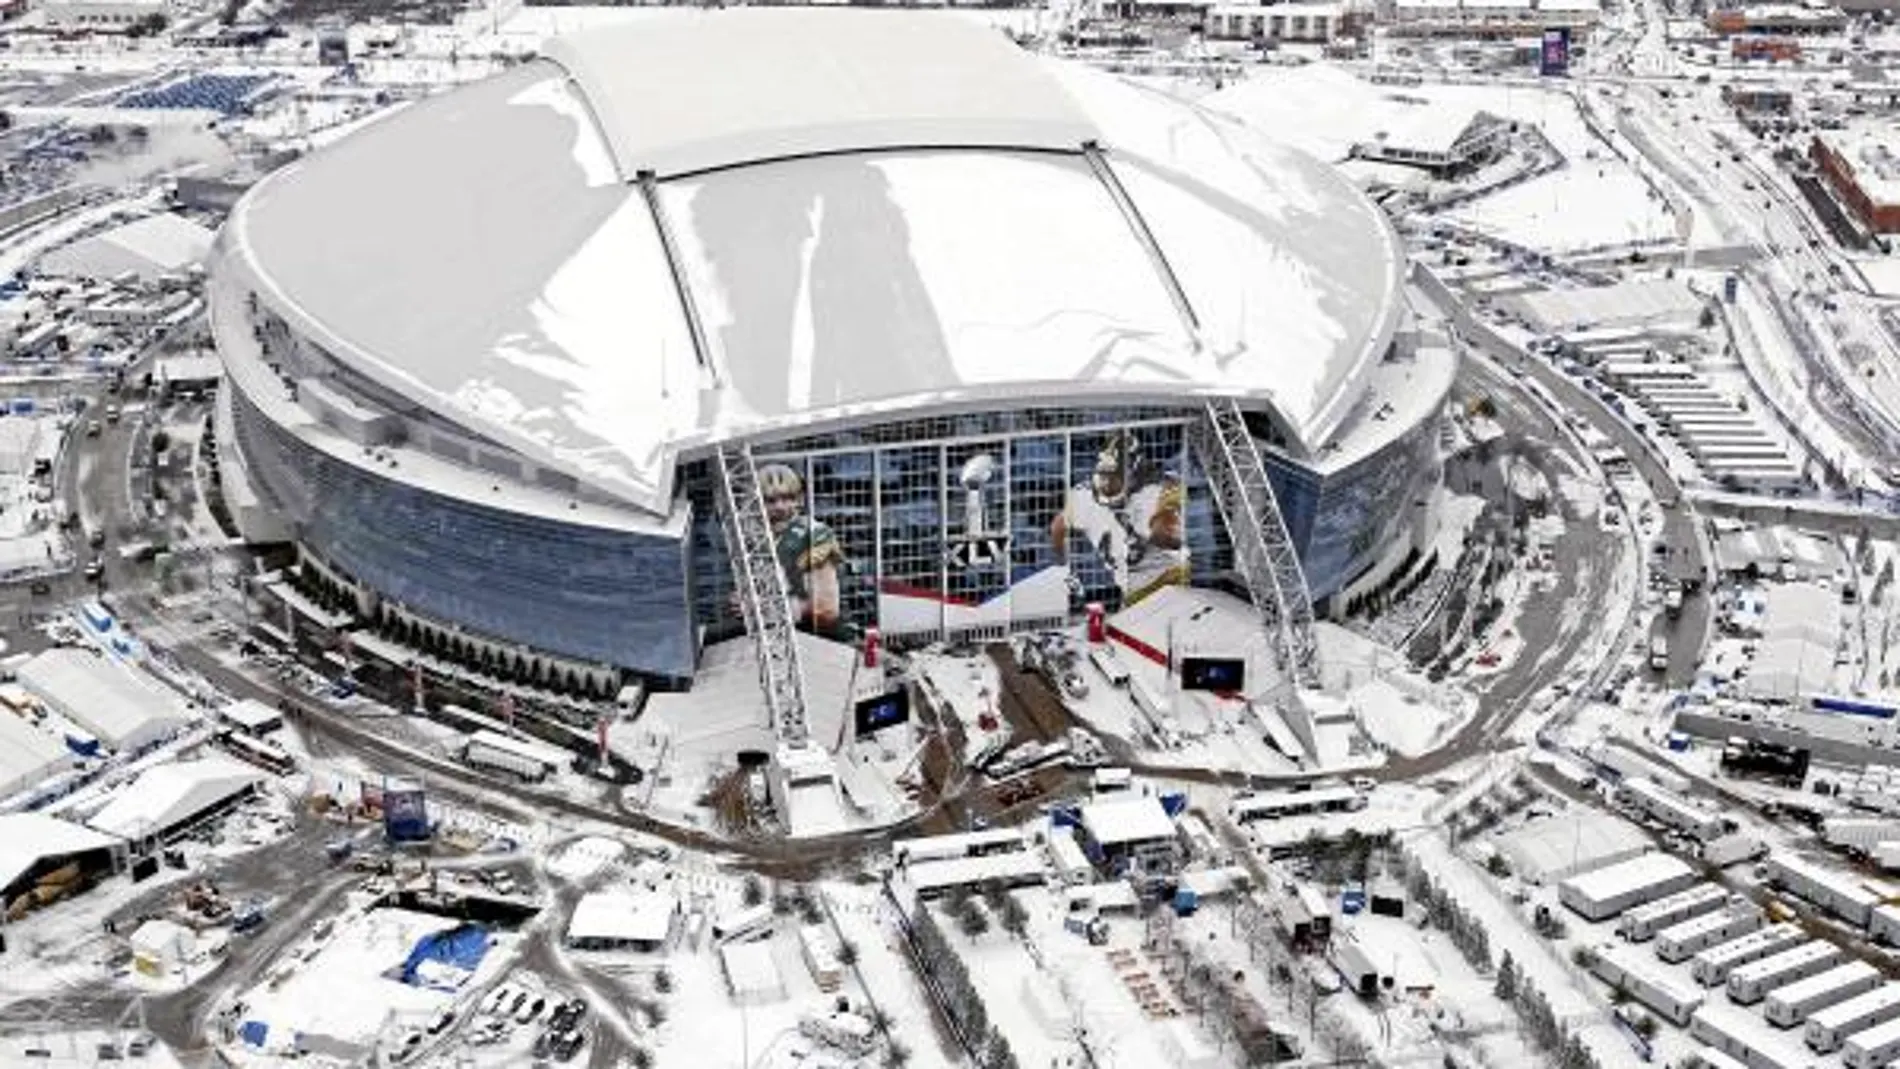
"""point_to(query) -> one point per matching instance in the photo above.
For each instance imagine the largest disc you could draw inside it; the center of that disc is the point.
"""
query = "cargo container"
(1827, 1029)
(1645, 921)
(1713, 965)
(1731, 849)
(1839, 893)
(1606, 892)
(1629, 971)
(1710, 1058)
(1672, 810)
(1789, 1006)
(1885, 855)
(1873, 1048)
(1750, 983)
(1684, 941)
(529, 760)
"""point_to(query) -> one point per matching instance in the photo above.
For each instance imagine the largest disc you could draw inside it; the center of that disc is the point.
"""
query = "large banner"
(978, 535)
(1553, 59)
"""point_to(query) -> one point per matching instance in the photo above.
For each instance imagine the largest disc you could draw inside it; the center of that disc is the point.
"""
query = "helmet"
(780, 480)
(1114, 465)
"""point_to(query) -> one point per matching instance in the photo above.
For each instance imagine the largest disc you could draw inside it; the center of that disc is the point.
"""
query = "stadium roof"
(803, 261)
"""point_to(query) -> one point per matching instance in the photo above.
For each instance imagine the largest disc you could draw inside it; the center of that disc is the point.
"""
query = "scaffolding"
(1263, 550)
(760, 584)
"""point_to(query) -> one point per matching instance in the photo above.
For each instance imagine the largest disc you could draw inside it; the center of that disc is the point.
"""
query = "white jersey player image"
(1130, 513)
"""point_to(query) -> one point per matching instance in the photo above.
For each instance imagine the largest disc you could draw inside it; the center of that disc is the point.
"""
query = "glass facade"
(589, 593)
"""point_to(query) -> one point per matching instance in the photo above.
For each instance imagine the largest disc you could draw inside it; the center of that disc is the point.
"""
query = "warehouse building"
(167, 800)
(1603, 893)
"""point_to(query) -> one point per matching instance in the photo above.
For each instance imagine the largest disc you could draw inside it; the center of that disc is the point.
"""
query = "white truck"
(1733, 850)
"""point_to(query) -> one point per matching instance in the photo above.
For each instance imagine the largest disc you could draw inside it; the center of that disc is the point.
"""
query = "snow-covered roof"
(866, 89)
(864, 279)
(1127, 820)
(168, 794)
(26, 753)
(1577, 841)
(1640, 302)
(26, 839)
(749, 968)
(643, 917)
(106, 698)
(250, 714)
(1871, 150)
(161, 244)
(1611, 880)
(974, 871)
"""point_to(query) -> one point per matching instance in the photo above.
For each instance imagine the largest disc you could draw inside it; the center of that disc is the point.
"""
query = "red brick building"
(1864, 172)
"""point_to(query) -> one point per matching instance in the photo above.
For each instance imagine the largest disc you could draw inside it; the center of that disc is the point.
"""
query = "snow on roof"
(26, 839)
(1434, 129)
(188, 368)
(161, 936)
(1112, 894)
(642, 917)
(1796, 653)
(27, 754)
(1127, 820)
(1611, 880)
(108, 699)
(165, 795)
(750, 969)
(1292, 274)
(162, 244)
(974, 871)
(250, 713)
(1576, 841)
(861, 80)
(1641, 302)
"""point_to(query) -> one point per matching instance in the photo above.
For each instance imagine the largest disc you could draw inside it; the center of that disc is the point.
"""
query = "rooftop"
(560, 327)
(1871, 149)
(640, 917)
(1127, 820)
(26, 839)
(165, 795)
(1603, 882)
(106, 698)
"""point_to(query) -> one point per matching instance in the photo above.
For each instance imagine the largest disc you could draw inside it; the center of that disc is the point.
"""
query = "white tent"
(1555, 848)
(167, 796)
(124, 709)
(28, 839)
(156, 245)
(27, 754)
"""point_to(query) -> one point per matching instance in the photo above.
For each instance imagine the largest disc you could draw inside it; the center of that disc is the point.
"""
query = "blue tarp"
(461, 947)
(254, 1033)
(1174, 803)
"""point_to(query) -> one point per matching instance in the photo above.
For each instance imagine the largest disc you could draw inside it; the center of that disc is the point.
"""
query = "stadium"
(514, 369)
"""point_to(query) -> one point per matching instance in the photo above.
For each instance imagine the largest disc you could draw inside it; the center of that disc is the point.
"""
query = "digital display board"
(1213, 673)
(1554, 57)
(884, 710)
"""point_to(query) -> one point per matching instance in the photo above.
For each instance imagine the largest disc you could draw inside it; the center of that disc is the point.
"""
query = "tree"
(1506, 985)
(847, 953)
(1015, 918)
(752, 892)
(663, 982)
(1645, 1026)
(971, 920)
(896, 1056)
(640, 1058)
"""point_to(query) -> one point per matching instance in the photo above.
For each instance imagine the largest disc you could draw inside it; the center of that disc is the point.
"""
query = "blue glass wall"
(568, 589)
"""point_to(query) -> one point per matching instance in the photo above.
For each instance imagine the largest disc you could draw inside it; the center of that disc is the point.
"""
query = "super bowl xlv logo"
(975, 544)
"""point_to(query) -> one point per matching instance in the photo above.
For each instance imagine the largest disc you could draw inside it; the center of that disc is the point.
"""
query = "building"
(28, 755)
(151, 248)
(1442, 140)
(121, 708)
(859, 267)
(1558, 847)
(167, 800)
(1131, 837)
(1777, 19)
(1297, 21)
(37, 851)
(1862, 168)
(622, 920)
(1500, 20)
(101, 16)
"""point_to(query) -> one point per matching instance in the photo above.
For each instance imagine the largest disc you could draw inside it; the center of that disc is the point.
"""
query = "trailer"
(1791, 1005)
(1737, 1033)
(1670, 809)
(1625, 969)
(1627, 765)
(1750, 983)
(1876, 1047)
(1827, 1029)
(1710, 1058)
(1884, 926)
(1713, 965)
(1646, 921)
(1839, 893)
(1684, 941)
(1733, 849)
(1862, 833)
(531, 761)
(1603, 893)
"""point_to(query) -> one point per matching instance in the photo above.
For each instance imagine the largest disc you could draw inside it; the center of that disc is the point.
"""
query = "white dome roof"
(868, 213)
